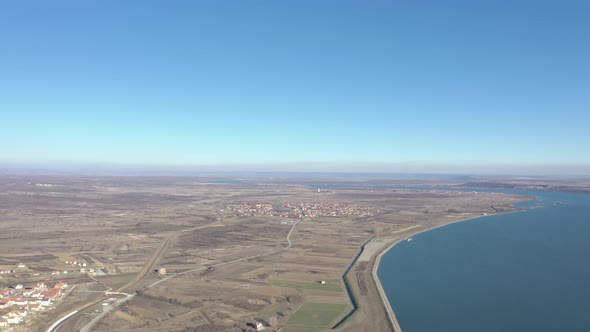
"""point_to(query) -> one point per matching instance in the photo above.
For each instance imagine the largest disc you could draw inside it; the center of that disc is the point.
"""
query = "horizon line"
(335, 168)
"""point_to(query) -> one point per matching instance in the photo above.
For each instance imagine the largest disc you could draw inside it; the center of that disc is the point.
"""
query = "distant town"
(301, 210)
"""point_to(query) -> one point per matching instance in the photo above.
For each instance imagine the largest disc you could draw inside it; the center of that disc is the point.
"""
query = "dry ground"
(117, 224)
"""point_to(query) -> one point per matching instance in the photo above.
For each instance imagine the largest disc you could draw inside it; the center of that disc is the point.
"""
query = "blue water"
(526, 271)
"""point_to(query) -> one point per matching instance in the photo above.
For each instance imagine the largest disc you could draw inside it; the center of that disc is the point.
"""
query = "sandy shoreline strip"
(385, 301)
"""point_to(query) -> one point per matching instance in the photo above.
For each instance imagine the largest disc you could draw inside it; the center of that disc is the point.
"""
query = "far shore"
(385, 301)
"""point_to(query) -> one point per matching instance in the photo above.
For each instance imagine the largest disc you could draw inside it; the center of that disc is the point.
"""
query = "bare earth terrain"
(197, 254)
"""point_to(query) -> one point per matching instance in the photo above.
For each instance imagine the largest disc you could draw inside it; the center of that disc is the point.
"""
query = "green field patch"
(316, 315)
(302, 329)
(330, 285)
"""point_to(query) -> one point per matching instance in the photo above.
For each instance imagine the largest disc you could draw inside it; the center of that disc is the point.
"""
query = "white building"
(21, 301)
(12, 318)
(37, 307)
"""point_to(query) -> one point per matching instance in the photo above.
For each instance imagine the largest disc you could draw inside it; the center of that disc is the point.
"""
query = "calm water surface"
(527, 271)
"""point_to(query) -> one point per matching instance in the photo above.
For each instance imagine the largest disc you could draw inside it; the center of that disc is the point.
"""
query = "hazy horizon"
(409, 168)
(473, 87)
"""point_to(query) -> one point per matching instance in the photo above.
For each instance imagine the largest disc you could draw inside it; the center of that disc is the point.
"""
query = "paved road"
(289, 245)
(57, 324)
(149, 266)
(88, 327)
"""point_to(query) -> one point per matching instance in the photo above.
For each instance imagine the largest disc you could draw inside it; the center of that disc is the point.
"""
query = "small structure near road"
(162, 271)
(323, 282)
(257, 326)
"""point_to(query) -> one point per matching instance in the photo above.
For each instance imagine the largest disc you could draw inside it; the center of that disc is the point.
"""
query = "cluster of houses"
(301, 210)
(81, 265)
(76, 263)
(17, 301)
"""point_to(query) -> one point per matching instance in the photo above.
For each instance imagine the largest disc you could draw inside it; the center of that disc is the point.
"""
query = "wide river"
(517, 272)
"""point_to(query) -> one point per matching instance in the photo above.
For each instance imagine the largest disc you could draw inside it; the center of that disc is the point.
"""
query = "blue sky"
(302, 82)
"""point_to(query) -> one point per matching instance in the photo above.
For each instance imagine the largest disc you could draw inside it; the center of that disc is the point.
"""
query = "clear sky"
(278, 82)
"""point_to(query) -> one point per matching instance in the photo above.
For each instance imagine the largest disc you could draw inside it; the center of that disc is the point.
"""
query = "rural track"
(149, 266)
(143, 273)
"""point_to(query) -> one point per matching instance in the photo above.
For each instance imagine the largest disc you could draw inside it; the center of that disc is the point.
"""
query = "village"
(300, 210)
(20, 301)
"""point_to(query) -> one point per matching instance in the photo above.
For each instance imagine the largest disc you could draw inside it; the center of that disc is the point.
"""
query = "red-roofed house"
(52, 293)
(37, 294)
(17, 300)
(5, 303)
(60, 285)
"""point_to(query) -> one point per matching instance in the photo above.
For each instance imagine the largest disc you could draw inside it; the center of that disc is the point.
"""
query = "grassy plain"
(235, 269)
(330, 285)
(315, 317)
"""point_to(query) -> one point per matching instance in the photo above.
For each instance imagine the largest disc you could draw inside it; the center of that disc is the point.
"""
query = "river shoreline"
(384, 299)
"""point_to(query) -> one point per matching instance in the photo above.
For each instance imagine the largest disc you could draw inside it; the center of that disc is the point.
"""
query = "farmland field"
(315, 316)
(330, 285)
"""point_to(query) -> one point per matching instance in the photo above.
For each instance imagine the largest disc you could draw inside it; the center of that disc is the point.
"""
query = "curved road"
(57, 324)
(144, 272)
